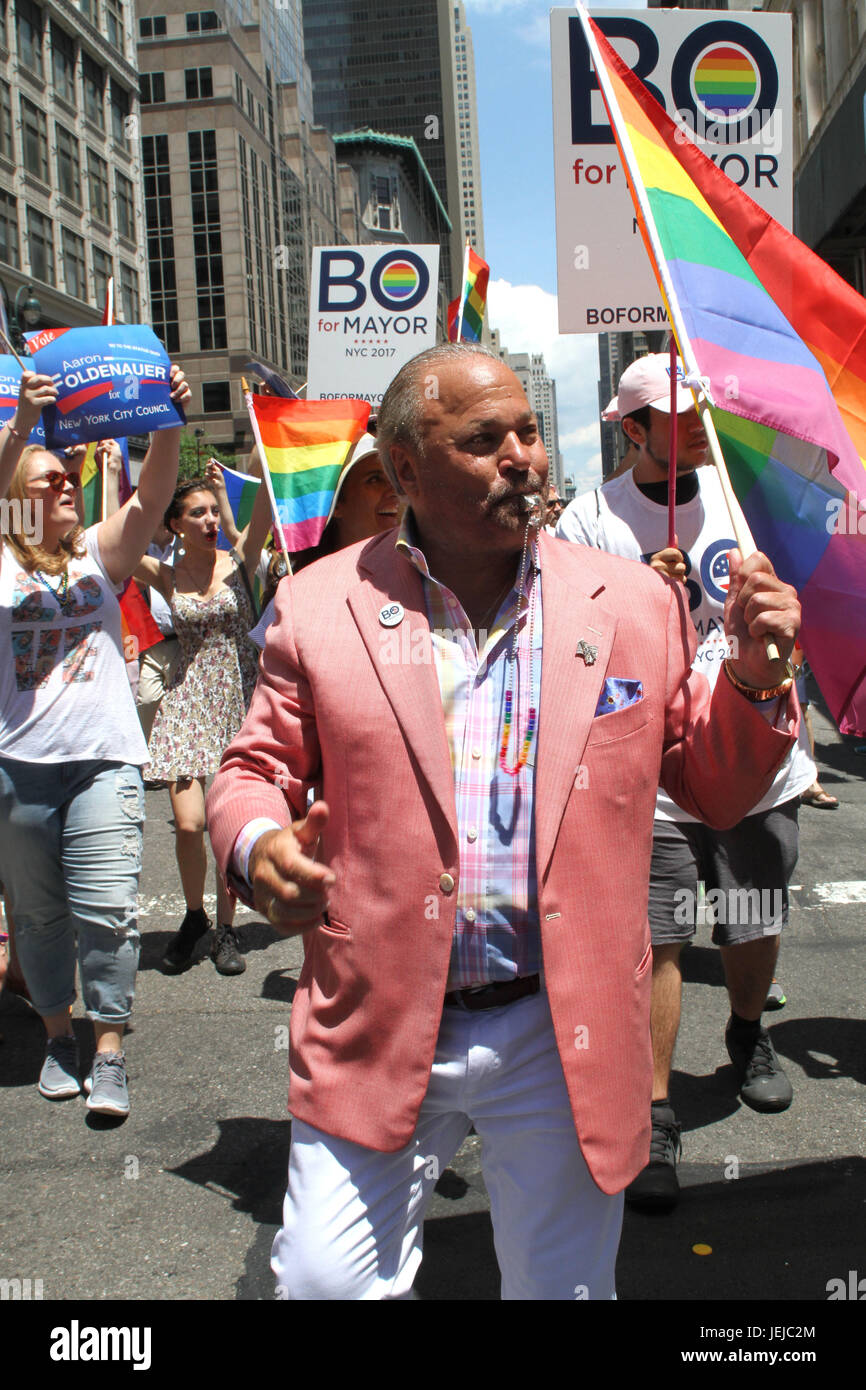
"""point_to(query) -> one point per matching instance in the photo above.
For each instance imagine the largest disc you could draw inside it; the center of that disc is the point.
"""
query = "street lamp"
(26, 311)
(199, 436)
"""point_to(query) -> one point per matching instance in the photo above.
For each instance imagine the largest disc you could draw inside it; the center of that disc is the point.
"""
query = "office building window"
(7, 147)
(93, 82)
(200, 21)
(251, 105)
(102, 273)
(28, 25)
(207, 240)
(120, 104)
(152, 86)
(89, 9)
(199, 83)
(40, 246)
(9, 249)
(160, 240)
(74, 268)
(129, 299)
(152, 28)
(63, 63)
(239, 90)
(34, 140)
(68, 164)
(114, 24)
(216, 397)
(3, 39)
(125, 206)
(97, 183)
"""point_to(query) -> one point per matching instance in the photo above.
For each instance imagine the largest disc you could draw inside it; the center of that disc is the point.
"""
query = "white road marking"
(851, 890)
(171, 905)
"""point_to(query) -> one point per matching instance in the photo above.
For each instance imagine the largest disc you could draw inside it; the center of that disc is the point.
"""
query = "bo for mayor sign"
(742, 122)
(371, 309)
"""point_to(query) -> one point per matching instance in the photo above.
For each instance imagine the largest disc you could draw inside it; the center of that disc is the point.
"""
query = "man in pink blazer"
(485, 713)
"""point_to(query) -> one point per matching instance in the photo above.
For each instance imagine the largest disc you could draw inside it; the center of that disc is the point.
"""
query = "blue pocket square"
(618, 694)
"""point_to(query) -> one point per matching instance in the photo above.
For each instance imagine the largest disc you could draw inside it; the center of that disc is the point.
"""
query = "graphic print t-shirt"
(620, 519)
(64, 692)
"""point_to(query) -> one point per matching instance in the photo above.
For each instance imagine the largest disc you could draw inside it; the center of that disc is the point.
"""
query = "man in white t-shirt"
(746, 870)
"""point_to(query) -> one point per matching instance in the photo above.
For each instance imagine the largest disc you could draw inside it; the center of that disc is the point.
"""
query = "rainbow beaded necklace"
(509, 694)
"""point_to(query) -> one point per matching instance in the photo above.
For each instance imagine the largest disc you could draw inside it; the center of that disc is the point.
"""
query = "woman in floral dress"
(208, 591)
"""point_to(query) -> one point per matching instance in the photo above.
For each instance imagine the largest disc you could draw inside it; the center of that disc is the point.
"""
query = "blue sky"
(511, 39)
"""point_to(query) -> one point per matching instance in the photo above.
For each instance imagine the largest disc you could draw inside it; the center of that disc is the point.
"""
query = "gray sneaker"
(106, 1085)
(58, 1079)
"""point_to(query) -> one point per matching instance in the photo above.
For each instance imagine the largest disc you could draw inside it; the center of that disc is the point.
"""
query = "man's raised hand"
(759, 605)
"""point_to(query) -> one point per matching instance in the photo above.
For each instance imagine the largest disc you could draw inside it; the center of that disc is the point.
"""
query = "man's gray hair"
(402, 409)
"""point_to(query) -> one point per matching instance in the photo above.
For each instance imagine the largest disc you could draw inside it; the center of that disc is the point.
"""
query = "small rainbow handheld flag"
(779, 341)
(466, 312)
(241, 492)
(91, 483)
(305, 444)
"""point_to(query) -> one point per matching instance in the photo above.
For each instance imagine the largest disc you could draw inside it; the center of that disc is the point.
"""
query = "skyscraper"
(239, 186)
(396, 66)
(70, 202)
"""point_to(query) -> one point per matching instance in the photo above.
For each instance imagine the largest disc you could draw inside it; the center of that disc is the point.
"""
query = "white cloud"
(526, 317)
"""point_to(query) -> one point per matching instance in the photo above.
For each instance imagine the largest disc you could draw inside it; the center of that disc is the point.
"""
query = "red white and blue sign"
(112, 381)
(10, 385)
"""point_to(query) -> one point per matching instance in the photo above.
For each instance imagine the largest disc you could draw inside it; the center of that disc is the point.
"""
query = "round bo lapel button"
(391, 614)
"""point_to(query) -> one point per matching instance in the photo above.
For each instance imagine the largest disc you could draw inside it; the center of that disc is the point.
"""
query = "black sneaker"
(225, 955)
(178, 952)
(657, 1188)
(763, 1084)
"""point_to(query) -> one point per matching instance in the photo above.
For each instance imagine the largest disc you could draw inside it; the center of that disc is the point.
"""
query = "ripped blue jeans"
(70, 859)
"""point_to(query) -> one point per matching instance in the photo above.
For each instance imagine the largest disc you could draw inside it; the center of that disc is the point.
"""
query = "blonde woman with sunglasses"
(71, 747)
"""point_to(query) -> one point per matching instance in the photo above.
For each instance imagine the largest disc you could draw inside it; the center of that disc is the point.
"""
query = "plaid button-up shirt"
(497, 935)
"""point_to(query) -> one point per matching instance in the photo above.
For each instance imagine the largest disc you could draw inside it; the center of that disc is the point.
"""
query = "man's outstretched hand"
(758, 606)
(289, 887)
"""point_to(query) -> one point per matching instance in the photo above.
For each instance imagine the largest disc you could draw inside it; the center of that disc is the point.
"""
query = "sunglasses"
(57, 480)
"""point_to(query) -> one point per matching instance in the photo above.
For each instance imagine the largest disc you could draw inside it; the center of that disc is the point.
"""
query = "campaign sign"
(725, 79)
(112, 380)
(10, 383)
(371, 309)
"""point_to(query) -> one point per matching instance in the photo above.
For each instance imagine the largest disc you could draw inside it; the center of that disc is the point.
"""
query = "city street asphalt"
(182, 1200)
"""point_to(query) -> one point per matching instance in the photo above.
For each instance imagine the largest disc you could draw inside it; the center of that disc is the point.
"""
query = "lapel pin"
(391, 614)
(587, 651)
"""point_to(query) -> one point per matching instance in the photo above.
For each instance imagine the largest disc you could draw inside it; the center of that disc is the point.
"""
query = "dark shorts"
(746, 872)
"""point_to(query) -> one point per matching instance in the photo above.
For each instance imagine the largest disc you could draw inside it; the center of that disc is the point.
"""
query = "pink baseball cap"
(648, 382)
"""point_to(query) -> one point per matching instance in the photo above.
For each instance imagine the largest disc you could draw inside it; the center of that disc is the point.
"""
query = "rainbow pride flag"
(91, 483)
(476, 274)
(305, 444)
(779, 342)
(138, 628)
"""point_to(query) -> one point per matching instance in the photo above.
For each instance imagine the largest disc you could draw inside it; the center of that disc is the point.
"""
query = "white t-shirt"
(159, 609)
(622, 520)
(64, 692)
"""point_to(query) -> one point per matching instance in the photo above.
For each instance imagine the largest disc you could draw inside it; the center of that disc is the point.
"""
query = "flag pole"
(8, 343)
(672, 456)
(463, 292)
(646, 222)
(266, 473)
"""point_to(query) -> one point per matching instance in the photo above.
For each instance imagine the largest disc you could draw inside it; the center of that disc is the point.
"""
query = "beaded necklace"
(509, 694)
(61, 593)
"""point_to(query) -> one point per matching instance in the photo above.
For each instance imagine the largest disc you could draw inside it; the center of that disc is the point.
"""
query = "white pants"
(353, 1218)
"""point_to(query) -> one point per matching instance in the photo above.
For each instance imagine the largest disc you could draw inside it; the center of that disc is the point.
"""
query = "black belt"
(493, 996)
